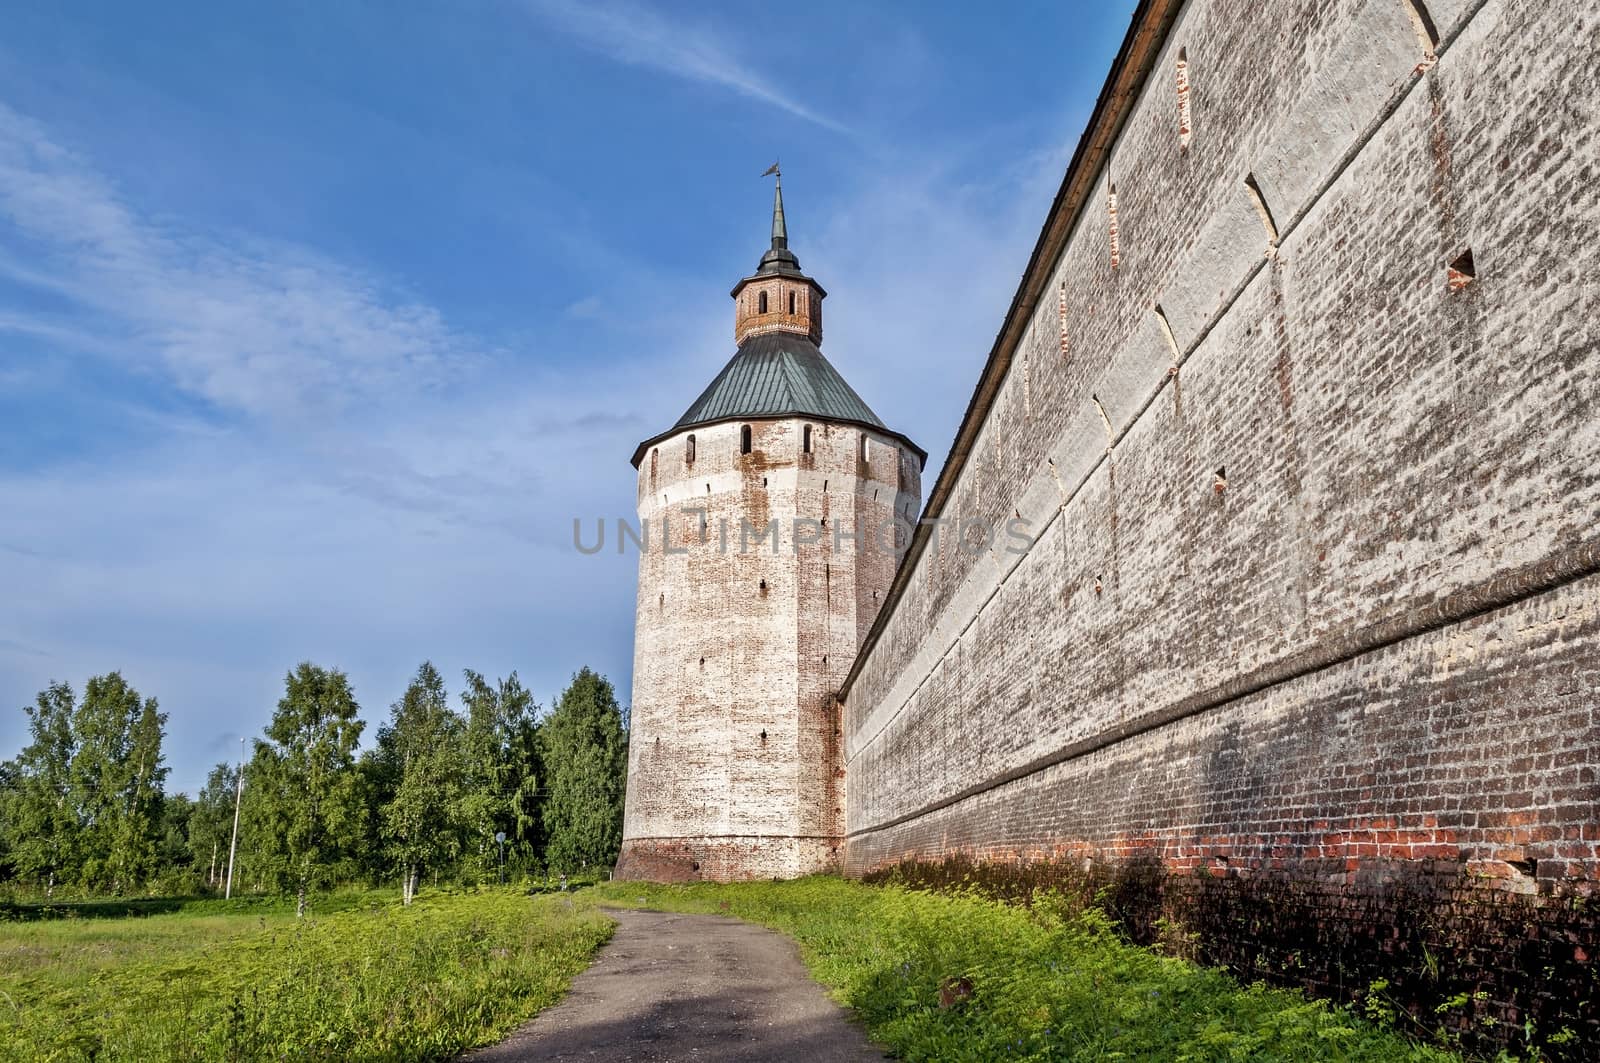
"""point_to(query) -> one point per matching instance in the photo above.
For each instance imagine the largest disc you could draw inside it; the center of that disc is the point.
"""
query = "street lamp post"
(500, 836)
(233, 846)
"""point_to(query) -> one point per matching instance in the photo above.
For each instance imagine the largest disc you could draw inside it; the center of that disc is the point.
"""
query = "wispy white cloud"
(639, 36)
(257, 327)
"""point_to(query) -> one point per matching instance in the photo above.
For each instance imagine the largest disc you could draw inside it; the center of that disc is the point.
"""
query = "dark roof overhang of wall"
(1140, 48)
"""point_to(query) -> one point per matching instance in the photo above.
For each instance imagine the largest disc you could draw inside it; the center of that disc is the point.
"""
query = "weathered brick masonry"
(755, 591)
(734, 767)
(1305, 655)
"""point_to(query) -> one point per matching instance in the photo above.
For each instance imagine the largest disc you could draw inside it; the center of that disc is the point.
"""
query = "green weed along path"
(376, 981)
(1046, 985)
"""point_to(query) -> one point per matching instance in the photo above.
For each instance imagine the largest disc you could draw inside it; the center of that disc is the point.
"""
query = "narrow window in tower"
(1027, 383)
(861, 449)
(1427, 32)
(744, 439)
(805, 439)
(1263, 211)
(1061, 316)
(791, 302)
(1183, 99)
(761, 303)
(688, 451)
(1111, 212)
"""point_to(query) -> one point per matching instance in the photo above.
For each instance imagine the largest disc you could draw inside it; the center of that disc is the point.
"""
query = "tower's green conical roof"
(779, 373)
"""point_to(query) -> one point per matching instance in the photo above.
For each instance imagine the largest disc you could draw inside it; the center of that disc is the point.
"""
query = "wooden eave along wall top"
(1140, 48)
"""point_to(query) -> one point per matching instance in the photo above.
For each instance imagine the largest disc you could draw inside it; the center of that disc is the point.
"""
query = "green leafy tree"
(9, 781)
(143, 826)
(585, 754)
(380, 779)
(211, 823)
(115, 780)
(175, 856)
(40, 815)
(422, 747)
(500, 788)
(102, 730)
(261, 861)
(304, 791)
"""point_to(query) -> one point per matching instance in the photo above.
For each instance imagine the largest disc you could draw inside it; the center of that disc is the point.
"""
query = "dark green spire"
(780, 232)
(779, 259)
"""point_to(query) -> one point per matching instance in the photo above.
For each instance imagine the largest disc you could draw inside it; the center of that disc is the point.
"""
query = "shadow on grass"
(191, 904)
(103, 909)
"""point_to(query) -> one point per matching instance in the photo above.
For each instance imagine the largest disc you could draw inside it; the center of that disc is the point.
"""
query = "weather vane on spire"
(780, 231)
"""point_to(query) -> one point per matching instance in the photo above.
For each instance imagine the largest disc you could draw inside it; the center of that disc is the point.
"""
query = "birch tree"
(422, 746)
(40, 816)
(304, 781)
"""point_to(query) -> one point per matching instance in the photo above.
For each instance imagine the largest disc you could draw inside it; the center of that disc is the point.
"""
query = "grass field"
(362, 978)
(1044, 984)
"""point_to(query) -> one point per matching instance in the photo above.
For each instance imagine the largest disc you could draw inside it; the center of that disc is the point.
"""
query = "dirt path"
(689, 987)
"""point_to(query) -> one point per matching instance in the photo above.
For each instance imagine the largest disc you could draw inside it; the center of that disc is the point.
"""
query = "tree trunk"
(300, 901)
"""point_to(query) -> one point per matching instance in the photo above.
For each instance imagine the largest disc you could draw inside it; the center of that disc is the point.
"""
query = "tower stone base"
(728, 859)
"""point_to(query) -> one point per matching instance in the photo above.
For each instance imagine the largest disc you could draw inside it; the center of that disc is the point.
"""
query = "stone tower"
(771, 510)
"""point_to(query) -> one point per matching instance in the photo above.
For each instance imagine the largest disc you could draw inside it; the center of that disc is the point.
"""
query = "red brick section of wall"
(1304, 653)
(1436, 828)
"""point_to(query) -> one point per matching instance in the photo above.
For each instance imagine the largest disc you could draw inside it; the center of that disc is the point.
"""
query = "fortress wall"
(1310, 614)
(734, 753)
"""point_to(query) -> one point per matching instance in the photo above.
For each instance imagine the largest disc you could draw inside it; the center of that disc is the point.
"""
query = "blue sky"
(319, 323)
